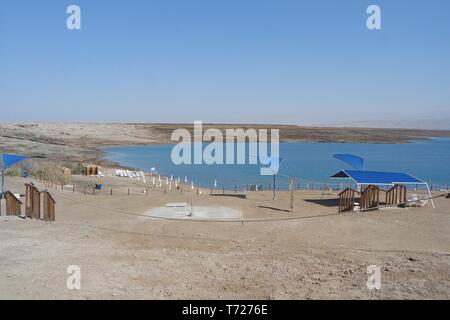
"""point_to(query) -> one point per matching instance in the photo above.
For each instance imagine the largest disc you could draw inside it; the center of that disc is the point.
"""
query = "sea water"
(309, 162)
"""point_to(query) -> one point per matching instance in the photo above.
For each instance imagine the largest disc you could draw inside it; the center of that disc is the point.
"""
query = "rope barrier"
(193, 220)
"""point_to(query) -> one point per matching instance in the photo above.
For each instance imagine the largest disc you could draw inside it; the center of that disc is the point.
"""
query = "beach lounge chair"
(414, 201)
(424, 202)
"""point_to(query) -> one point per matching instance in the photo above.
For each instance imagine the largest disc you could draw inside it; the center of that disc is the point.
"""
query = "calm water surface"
(310, 162)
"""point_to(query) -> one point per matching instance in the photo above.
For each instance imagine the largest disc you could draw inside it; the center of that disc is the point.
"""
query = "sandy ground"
(312, 253)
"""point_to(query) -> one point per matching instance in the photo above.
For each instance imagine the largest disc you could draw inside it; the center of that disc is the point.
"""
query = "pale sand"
(319, 254)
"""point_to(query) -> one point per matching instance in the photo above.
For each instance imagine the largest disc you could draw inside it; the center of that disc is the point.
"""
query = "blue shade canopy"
(379, 178)
(340, 175)
(354, 161)
(11, 159)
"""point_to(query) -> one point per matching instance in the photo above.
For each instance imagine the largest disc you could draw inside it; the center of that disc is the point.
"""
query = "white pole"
(431, 197)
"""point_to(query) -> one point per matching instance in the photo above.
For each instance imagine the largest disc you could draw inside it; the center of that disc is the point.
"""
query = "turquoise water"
(308, 161)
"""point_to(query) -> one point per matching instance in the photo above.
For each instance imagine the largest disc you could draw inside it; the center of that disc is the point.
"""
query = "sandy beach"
(239, 151)
(311, 253)
(250, 248)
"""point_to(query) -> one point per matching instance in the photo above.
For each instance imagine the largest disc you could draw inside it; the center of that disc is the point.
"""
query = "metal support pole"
(3, 183)
(274, 186)
(292, 194)
(431, 197)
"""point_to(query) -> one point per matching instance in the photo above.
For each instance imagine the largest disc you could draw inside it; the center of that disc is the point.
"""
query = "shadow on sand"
(273, 208)
(325, 202)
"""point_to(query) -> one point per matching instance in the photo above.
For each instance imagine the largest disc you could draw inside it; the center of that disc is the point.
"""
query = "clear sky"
(254, 61)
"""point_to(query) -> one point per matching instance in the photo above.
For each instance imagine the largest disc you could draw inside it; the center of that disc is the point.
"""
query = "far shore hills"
(77, 142)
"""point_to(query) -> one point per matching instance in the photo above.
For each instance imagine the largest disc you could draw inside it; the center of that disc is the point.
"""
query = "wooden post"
(49, 207)
(27, 199)
(274, 187)
(292, 194)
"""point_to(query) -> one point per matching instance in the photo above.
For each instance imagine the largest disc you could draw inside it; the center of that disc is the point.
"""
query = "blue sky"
(253, 61)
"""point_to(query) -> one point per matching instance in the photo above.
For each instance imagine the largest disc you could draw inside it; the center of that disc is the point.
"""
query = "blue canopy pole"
(3, 182)
(274, 186)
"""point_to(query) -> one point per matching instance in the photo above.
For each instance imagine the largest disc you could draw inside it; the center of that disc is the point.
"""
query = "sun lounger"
(414, 201)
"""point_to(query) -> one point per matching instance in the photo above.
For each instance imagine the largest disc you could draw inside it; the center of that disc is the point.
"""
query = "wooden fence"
(396, 195)
(32, 202)
(347, 200)
(49, 206)
(370, 197)
(13, 205)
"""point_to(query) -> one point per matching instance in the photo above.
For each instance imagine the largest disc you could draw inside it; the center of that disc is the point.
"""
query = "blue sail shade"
(11, 159)
(267, 161)
(354, 161)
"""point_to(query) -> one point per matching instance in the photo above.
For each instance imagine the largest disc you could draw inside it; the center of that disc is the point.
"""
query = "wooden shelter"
(91, 170)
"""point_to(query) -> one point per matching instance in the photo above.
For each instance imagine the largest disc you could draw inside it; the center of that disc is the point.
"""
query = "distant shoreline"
(73, 142)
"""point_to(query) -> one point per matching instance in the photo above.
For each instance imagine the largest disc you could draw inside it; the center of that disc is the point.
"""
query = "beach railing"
(370, 197)
(32, 202)
(347, 200)
(13, 205)
(396, 195)
(49, 206)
